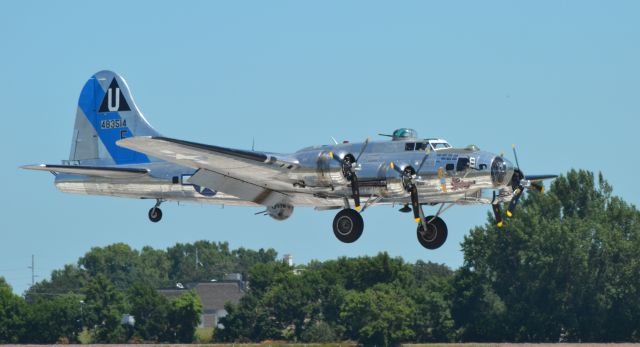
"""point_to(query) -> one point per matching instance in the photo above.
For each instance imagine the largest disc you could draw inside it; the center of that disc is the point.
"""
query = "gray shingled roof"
(213, 295)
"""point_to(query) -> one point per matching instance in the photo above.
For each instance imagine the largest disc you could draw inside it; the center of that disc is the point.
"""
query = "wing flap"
(242, 189)
(98, 171)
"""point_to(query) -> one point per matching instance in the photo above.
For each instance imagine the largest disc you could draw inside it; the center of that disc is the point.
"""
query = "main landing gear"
(435, 235)
(348, 225)
(155, 213)
(432, 231)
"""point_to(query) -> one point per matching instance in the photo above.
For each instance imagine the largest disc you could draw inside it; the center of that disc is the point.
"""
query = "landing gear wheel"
(155, 214)
(435, 235)
(348, 225)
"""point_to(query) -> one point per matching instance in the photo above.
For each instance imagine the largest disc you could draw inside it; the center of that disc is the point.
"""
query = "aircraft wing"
(538, 178)
(97, 171)
(220, 166)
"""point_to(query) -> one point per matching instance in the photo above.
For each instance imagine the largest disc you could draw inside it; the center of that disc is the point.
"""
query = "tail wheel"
(435, 235)
(155, 214)
(348, 225)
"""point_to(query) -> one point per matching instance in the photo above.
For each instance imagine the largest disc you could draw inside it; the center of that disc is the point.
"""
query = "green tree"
(291, 303)
(365, 272)
(13, 311)
(184, 317)
(247, 258)
(248, 321)
(103, 310)
(68, 280)
(154, 267)
(55, 319)
(150, 310)
(119, 262)
(562, 268)
(263, 276)
(425, 272)
(319, 332)
(478, 312)
(432, 321)
(379, 316)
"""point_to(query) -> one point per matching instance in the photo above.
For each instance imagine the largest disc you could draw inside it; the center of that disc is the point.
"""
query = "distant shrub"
(319, 332)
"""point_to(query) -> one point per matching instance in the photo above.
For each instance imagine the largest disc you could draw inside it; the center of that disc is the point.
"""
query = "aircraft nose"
(501, 171)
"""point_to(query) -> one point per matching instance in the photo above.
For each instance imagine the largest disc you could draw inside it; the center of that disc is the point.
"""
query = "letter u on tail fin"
(107, 113)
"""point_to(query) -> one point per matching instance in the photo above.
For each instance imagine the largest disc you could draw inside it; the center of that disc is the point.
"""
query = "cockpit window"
(421, 146)
(439, 145)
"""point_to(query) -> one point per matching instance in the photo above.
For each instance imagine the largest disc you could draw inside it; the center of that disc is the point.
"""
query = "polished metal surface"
(115, 152)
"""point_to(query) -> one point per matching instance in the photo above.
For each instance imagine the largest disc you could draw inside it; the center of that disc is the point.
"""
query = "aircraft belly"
(177, 192)
(163, 191)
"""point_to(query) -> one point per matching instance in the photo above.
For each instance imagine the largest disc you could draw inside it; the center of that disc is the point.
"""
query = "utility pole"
(33, 270)
(196, 263)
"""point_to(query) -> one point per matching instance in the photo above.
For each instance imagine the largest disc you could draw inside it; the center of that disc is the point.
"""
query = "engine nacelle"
(280, 211)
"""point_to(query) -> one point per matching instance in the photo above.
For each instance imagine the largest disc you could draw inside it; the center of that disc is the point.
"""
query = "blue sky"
(561, 79)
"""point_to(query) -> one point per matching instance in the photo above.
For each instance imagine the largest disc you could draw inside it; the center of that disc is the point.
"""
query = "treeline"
(565, 268)
(124, 266)
(374, 300)
(109, 282)
(99, 308)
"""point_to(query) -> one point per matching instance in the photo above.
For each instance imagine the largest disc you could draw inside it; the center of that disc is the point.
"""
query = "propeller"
(519, 181)
(348, 164)
(516, 184)
(498, 215)
(409, 176)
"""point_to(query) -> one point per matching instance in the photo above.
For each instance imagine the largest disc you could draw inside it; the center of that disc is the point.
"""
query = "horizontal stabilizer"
(98, 171)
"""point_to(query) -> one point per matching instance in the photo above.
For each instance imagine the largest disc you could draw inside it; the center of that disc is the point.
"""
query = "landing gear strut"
(348, 225)
(435, 235)
(155, 213)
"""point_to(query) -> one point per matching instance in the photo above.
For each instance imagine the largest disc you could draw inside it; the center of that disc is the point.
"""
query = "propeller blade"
(415, 204)
(514, 201)
(518, 181)
(336, 158)
(515, 156)
(497, 213)
(355, 190)
(413, 191)
(395, 167)
(364, 146)
(426, 155)
(350, 174)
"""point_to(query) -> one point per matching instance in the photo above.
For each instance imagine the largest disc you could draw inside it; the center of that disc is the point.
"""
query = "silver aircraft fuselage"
(448, 175)
(116, 152)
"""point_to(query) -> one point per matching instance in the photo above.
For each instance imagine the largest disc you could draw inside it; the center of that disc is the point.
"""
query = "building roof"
(212, 294)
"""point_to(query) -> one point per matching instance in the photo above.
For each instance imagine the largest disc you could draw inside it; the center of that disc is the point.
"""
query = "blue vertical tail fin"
(107, 113)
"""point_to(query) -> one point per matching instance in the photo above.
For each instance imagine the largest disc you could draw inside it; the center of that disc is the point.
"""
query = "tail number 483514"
(113, 123)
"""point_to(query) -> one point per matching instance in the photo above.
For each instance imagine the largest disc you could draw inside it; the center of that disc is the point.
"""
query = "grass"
(284, 344)
(84, 337)
(204, 335)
